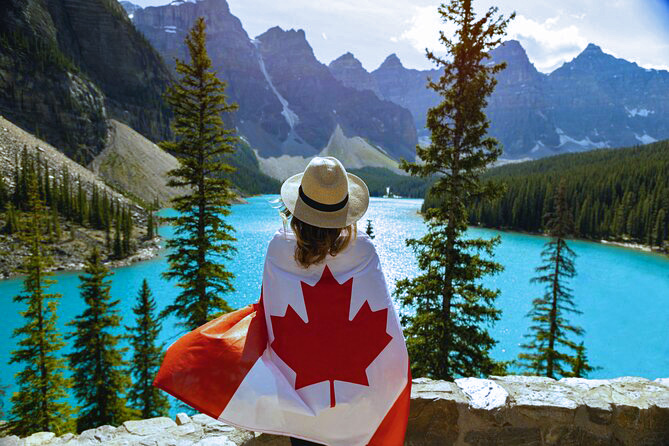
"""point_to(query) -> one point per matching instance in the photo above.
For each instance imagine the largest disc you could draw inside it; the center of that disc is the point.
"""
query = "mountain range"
(291, 103)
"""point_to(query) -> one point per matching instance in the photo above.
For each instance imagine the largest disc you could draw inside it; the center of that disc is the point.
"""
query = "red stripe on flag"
(392, 429)
(205, 367)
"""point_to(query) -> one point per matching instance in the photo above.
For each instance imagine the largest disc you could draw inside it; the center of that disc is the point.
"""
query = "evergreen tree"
(118, 245)
(100, 381)
(549, 351)
(150, 225)
(202, 238)
(127, 231)
(39, 404)
(3, 390)
(580, 366)
(147, 358)
(447, 306)
(11, 220)
(57, 232)
(370, 229)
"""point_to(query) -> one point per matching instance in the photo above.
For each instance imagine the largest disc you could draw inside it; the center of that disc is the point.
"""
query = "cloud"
(423, 30)
(547, 44)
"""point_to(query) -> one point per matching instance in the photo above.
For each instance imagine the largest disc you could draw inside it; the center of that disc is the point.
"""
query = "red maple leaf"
(329, 347)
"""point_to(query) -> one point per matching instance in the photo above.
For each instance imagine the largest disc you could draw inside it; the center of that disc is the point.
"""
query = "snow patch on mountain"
(291, 117)
(643, 112)
(585, 143)
(645, 138)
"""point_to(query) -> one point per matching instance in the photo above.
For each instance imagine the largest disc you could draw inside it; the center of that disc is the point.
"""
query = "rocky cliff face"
(407, 88)
(289, 102)
(67, 65)
(591, 102)
(321, 102)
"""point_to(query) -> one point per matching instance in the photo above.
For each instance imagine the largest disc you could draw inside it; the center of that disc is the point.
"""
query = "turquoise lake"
(623, 294)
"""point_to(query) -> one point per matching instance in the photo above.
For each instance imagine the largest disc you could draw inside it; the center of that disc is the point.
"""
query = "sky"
(552, 32)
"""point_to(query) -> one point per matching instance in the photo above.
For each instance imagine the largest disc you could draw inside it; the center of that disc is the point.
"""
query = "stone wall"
(501, 411)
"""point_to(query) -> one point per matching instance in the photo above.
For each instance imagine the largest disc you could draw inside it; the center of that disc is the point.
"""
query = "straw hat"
(325, 195)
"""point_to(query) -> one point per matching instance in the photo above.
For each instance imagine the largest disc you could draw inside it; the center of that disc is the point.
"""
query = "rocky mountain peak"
(518, 69)
(392, 62)
(292, 43)
(350, 72)
(347, 59)
(592, 49)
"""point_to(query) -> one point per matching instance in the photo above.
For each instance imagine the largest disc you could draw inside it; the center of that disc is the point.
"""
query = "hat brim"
(355, 208)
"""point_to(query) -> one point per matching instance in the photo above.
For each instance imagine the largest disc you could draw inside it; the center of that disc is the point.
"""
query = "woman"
(321, 357)
(324, 204)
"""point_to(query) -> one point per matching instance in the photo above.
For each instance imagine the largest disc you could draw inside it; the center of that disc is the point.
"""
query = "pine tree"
(126, 222)
(150, 225)
(147, 358)
(370, 229)
(202, 237)
(446, 305)
(580, 366)
(100, 381)
(549, 351)
(39, 404)
(12, 225)
(118, 245)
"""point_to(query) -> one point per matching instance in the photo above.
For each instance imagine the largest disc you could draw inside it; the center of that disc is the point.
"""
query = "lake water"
(624, 294)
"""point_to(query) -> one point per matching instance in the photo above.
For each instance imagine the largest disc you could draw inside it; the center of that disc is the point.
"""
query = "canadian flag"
(320, 357)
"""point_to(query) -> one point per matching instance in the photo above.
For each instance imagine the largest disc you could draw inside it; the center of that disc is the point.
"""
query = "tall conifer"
(39, 404)
(550, 351)
(447, 306)
(147, 358)
(202, 239)
(100, 381)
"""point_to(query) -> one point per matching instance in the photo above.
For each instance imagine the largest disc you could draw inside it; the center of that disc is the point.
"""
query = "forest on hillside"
(614, 194)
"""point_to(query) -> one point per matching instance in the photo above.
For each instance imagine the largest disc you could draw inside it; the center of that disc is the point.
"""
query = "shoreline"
(150, 250)
(628, 245)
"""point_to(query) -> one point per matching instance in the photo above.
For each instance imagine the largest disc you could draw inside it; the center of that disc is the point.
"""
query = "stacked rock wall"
(500, 411)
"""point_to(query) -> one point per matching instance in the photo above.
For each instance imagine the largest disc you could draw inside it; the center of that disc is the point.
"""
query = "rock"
(11, 440)
(182, 418)
(500, 411)
(483, 393)
(215, 441)
(100, 434)
(150, 426)
(39, 438)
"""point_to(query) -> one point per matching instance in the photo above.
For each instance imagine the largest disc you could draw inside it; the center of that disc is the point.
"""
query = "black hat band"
(322, 206)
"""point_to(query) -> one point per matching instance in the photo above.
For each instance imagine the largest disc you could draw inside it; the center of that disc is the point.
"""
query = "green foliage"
(446, 307)
(100, 380)
(550, 351)
(247, 176)
(93, 210)
(39, 404)
(40, 54)
(620, 194)
(369, 230)
(202, 238)
(150, 225)
(378, 178)
(147, 357)
(12, 225)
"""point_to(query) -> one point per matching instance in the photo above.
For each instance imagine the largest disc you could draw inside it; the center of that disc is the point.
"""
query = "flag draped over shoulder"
(321, 356)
